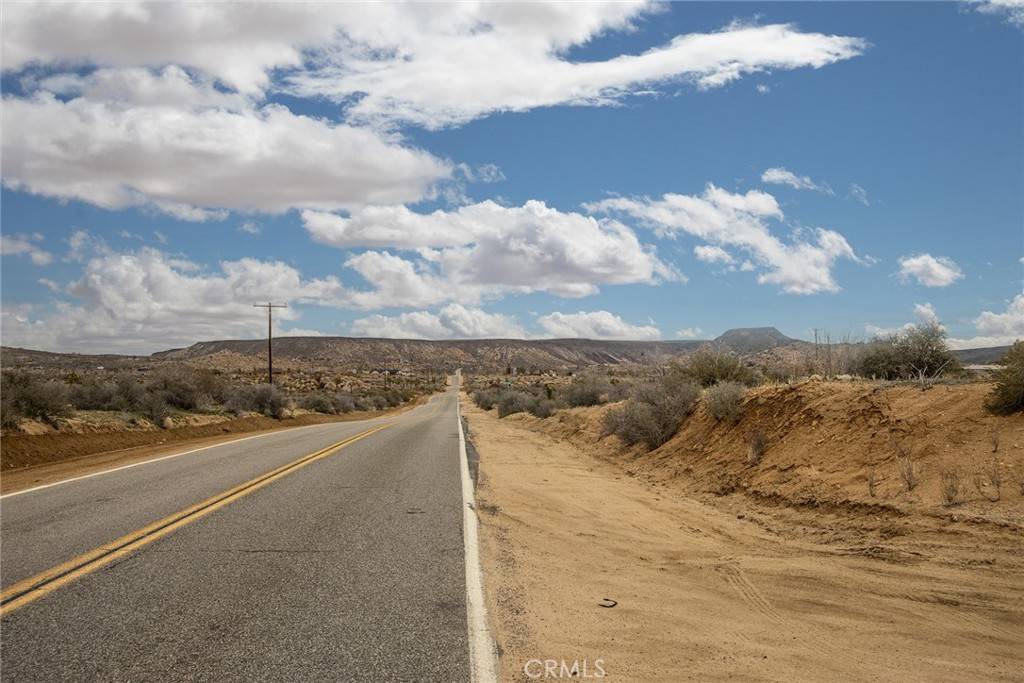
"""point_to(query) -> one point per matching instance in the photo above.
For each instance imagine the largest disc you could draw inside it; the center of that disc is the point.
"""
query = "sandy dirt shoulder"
(725, 589)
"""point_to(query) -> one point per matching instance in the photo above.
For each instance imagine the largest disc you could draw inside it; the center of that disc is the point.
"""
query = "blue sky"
(843, 166)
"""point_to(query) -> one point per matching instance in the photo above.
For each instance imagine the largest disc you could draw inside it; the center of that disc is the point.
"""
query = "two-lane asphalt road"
(246, 561)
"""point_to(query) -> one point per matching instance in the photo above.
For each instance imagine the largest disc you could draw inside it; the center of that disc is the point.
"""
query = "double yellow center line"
(35, 587)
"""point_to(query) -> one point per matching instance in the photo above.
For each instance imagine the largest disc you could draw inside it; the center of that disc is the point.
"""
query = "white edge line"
(482, 653)
(151, 461)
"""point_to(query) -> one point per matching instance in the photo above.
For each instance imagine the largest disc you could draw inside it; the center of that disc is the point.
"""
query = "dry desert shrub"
(654, 412)
(328, 403)
(725, 401)
(259, 398)
(486, 399)
(918, 353)
(28, 395)
(587, 390)
(515, 402)
(542, 408)
(1008, 393)
(707, 367)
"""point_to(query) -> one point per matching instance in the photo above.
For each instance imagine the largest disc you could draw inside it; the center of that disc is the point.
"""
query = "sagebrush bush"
(654, 412)
(725, 401)
(634, 422)
(175, 386)
(155, 407)
(329, 404)
(27, 395)
(1007, 395)
(587, 390)
(129, 394)
(918, 352)
(543, 407)
(259, 398)
(93, 395)
(486, 398)
(515, 402)
(708, 366)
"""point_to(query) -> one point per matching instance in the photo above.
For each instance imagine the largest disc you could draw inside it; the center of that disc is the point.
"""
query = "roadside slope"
(713, 588)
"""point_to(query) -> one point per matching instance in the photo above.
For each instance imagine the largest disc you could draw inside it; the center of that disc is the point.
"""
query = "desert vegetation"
(651, 403)
(174, 390)
(654, 411)
(542, 399)
(917, 353)
(1008, 393)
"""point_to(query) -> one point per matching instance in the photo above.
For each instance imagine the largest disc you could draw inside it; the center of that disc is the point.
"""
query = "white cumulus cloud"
(145, 300)
(930, 271)
(996, 329)
(486, 249)
(595, 325)
(454, 321)
(710, 254)
(210, 159)
(722, 218)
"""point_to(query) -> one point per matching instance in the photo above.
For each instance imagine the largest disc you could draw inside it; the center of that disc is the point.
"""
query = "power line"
(270, 334)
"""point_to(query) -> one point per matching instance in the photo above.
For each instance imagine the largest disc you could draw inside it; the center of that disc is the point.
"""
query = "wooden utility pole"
(270, 335)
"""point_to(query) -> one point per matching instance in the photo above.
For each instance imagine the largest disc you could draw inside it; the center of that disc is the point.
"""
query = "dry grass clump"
(988, 481)
(725, 401)
(907, 468)
(908, 471)
(757, 444)
(950, 487)
(1008, 393)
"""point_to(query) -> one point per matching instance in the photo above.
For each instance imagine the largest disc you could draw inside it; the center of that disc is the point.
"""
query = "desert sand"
(754, 582)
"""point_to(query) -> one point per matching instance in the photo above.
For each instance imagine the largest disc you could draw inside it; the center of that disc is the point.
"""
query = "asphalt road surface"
(347, 567)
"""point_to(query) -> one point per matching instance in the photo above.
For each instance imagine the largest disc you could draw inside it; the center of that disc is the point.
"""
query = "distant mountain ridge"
(481, 355)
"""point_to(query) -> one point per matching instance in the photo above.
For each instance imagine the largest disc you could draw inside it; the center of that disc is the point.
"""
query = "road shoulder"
(705, 594)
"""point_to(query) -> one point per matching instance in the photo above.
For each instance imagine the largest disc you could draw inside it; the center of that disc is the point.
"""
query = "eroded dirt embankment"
(788, 569)
(834, 444)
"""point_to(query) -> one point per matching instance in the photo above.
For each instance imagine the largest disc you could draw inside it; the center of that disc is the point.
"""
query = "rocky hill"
(744, 340)
(472, 355)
